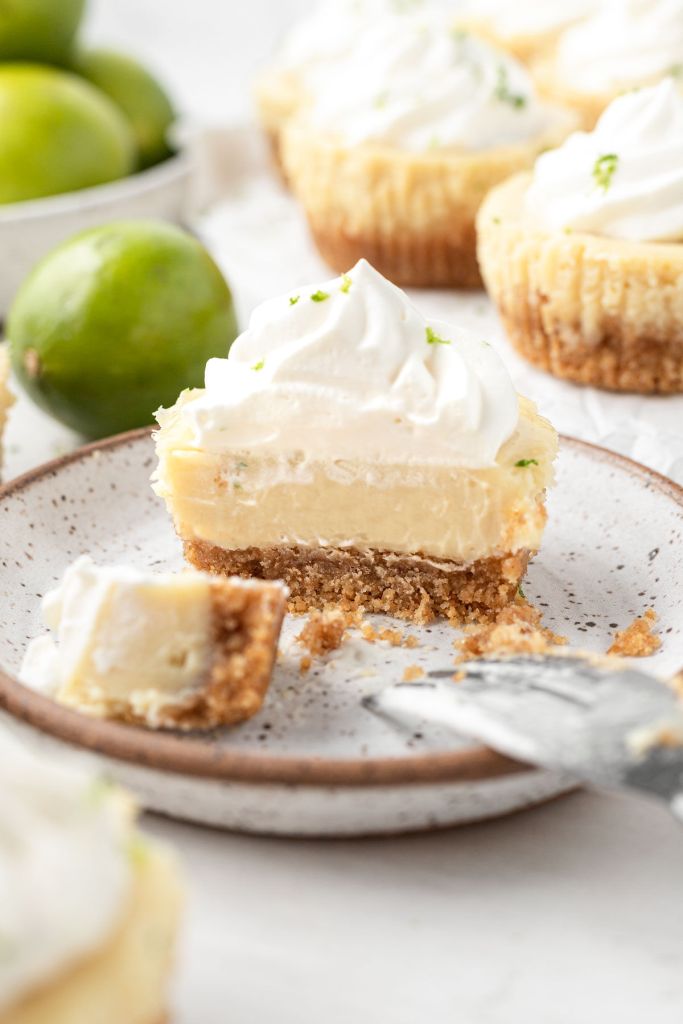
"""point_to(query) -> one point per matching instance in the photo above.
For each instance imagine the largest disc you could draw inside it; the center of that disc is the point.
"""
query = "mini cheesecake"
(163, 650)
(363, 454)
(90, 908)
(6, 396)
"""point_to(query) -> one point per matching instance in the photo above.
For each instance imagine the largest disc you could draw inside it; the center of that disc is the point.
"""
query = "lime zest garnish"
(293, 299)
(504, 93)
(523, 463)
(434, 339)
(346, 284)
(604, 169)
(259, 366)
(320, 296)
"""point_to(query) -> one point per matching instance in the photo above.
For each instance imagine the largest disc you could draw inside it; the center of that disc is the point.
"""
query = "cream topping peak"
(349, 369)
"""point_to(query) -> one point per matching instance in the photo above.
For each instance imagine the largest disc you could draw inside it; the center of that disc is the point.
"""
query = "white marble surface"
(565, 915)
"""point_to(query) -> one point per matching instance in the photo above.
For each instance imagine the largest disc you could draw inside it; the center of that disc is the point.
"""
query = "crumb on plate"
(638, 640)
(517, 629)
(413, 673)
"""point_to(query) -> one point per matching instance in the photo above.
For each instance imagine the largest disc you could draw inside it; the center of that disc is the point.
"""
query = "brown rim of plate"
(198, 756)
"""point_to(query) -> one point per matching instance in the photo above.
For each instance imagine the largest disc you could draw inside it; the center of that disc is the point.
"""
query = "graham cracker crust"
(620, 361)
(408, 587)
(246, 626)
(409, 260)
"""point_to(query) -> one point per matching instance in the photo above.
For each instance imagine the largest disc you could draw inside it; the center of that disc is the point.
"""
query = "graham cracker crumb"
(412, 673)
(305, 664)
(516, 630)
(324, 631)
(637, 640)
(391, 636)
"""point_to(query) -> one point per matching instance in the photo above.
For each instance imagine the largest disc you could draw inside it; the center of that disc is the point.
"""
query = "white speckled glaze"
(30, 230)
(313, 762)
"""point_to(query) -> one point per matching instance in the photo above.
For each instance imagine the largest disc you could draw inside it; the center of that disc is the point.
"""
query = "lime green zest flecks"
(320, 296)
(346, 284)
(521, 592)
(293, 299)
(604, 170)
(434, 339)
(259, 366)
(503, 91)
(523, 463)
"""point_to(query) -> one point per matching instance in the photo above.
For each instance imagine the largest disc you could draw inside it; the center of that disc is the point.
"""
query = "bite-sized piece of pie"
(401, 142)
(626, 44)
(6, 396)
(90, 908)
(526, 28)
(584, 258)
(184, 651)
(327, 33)
(367, 456)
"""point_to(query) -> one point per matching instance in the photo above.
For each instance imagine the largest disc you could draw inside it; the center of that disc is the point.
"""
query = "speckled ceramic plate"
(313, 762)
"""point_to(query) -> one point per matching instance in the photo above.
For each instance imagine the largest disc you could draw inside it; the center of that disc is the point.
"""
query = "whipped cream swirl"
(417, 83)
(628, 43)
(349, 369)
(65, 870)
(528, 17)
(624, 179)
(332, 29)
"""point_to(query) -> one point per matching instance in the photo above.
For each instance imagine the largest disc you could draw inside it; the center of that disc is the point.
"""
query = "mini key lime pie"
(328, 33)
(6, 396)
(178, 650)
(89, 908)
(584, 257)
(526, 29)
(626, 44)
(403, 140)
(364, 454)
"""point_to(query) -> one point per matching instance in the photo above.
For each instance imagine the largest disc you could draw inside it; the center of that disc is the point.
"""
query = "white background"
(570, 914)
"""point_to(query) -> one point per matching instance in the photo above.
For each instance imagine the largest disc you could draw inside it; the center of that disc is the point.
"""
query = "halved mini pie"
(363, 454)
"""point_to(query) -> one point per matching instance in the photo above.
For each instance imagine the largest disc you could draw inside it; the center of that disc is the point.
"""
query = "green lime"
(116, 322)
(139, 96)
(39, 30)
(59, 134)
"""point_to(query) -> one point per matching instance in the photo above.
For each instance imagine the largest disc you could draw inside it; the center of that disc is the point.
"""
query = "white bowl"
(29, 230)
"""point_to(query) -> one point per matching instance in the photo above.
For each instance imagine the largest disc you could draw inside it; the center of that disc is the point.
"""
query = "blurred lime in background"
(57, 134)
(39, 30)
(116, 322)
(138, 95)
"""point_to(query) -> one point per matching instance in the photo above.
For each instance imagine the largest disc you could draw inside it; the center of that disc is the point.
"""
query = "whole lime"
(116, 321)
(138, 94)
(39, 30)
(58, 134)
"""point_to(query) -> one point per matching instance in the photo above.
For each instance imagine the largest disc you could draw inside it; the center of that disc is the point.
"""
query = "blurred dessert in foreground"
(183, 651)
(90, 909)
(400, 142)
(367, 456)
(584, 258)
(526, 28)
(624, 45)
(6, 396)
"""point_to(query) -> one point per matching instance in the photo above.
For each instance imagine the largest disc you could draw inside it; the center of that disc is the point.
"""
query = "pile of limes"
(117, 320)
(71, 117)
